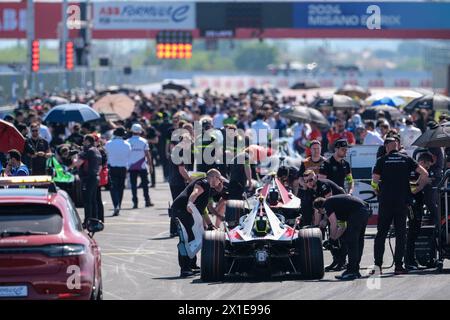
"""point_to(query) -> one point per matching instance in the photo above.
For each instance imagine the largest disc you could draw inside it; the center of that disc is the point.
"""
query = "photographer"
(15, 167)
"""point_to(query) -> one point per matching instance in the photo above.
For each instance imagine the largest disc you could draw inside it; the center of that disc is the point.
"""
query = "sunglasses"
(34, 130)
(309, 180)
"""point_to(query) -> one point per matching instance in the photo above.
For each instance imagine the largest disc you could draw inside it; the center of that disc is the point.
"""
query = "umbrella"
(10, 137)
(307, 84)
(55, 100)
(434, 138)
(390, 101)
(71, 112)
(390, 112)
(335, 101)
(430, 102)
(305, 114)
(353, 91)
(119, 104)
(174, 86)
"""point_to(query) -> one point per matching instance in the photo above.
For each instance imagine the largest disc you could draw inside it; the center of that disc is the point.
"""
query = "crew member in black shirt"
(336, 168)
(315, 188)
(240, 175)
(178, 171)
(153, 139)
(390, 179)
(40, 151)
(415, 217)
(76, 137)
(196, 194)
(88, 163)
(347, 216)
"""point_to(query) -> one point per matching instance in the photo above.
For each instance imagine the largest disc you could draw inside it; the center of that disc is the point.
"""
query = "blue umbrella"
(390, 101)
(71, 112)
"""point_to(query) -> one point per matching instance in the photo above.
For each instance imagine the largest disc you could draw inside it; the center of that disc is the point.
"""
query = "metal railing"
(13, 85)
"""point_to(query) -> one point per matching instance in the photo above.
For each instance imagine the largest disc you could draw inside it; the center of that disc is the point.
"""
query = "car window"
(74, 218)
(30, 217)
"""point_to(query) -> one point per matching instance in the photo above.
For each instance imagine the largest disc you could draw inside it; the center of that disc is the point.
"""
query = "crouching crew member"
(196, 194)
(390, 180)
(347, 216)
(323, 188)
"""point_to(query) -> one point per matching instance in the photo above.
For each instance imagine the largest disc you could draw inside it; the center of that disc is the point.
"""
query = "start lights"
(174, 45)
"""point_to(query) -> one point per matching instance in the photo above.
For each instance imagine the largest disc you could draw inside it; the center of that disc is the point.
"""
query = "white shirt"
(408, 135)
(137, 161)
(272, 122)
(373, 138)
(298, 128)
(217, 121)
(44, 132)
(118, 151)
(261, 131)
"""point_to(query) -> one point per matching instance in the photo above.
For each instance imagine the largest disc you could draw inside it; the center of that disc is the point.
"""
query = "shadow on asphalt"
(169, 278)
(161, 238)
(253, 279)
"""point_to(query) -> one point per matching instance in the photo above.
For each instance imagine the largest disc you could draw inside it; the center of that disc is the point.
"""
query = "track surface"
(140, 262)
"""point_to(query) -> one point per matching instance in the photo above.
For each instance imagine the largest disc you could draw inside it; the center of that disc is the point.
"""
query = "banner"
(354, 15)
(13, 20)
(144, 16)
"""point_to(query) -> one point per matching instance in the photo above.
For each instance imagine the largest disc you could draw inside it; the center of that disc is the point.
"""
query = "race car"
(263, 245)
(279, 199)
(45, 250)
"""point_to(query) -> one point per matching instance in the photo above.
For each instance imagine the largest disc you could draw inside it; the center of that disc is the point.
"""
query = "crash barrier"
(13, 85)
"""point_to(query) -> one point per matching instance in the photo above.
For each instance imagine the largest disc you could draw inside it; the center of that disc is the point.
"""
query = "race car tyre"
(310, 254)
(213, 256)
(233, 211)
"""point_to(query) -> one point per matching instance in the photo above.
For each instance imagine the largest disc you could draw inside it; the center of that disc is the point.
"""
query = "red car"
(45, 251)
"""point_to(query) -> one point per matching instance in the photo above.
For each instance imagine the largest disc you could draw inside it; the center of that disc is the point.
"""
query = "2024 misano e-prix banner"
(354, 15)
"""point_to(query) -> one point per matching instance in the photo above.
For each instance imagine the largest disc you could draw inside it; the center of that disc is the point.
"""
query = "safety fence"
(14, 85)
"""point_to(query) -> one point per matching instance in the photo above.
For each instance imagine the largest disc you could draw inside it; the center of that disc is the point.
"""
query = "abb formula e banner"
(144, 16)
(13, 20)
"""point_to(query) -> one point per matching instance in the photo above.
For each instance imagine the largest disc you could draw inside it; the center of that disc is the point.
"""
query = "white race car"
(264, 245)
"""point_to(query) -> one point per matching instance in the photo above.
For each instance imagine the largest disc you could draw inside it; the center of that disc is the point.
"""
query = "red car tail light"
(53, 250)
(68, 295)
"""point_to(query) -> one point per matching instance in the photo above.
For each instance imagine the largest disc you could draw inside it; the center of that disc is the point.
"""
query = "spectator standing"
(40, 151)
(88, 164)
(118, 151)
(138, 162)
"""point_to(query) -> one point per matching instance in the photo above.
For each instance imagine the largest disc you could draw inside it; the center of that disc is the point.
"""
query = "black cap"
(341, 143)
(389, 140)
(119, 132)
(432, 124)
